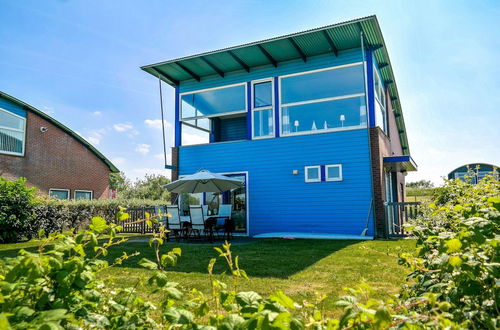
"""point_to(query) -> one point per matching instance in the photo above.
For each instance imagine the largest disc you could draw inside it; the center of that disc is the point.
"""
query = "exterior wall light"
(295, 172)
(43, 129)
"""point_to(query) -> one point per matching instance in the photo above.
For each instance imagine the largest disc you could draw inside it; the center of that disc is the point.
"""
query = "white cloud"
(96, 113)
(122, 127)
(190, 139)
(143, 148)
(139, 173)
(94, 140)
(119, 161)
(49, 110)
(156, 123)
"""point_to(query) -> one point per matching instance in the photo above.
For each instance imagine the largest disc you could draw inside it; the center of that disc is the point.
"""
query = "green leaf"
(98, 224)
(249, 301)
(455, 261)
(4, 322)
(177, 251)
(148, 264)
(454, 245)
(122, 216)
(52, 315)
(178, 316)
(283, 299)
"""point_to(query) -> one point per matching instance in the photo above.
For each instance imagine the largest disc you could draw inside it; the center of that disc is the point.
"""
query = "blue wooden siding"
(282, 202)
(12, 107)
(232, 129)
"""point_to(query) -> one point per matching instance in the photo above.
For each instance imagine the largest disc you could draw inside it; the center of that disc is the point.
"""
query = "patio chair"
(197, 220)
(174, 221)
(205, 210)
(225, 210)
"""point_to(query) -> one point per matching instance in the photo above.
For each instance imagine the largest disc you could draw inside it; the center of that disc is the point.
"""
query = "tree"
(422, 184)
(119, 182)
(151, 187)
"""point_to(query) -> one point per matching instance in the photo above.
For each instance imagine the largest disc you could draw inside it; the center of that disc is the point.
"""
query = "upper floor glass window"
(380, 101)
(316, 85)
(214, 102)
(12, 133)
(323, 100)
(262, 109)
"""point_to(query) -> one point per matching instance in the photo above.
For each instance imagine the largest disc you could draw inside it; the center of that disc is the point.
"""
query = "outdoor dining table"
(212, 223)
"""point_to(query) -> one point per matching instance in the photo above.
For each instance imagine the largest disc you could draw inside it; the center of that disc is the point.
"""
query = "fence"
(397, 214)
(133, 223)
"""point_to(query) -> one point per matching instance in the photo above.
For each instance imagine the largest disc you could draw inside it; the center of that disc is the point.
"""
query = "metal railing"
(399, 213)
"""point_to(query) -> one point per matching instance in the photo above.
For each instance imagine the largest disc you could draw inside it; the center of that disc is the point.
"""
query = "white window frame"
(269, 107)
(215, 115)
(23, 130)
(326, 99)
(58, 189)
(339, 166)
(376, 75)
(306, 177)
(85, 191)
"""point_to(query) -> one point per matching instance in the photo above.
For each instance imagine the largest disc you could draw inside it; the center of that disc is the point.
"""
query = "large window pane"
(214, 102)
(323, 84)
(11, 141)
(380, 116)
(59, 193)
(8, 120)
(324, 115)
(83, 195)
(262, 94)
(263, 123)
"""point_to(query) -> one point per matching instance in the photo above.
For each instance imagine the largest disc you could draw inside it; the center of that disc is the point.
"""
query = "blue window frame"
(380, 101)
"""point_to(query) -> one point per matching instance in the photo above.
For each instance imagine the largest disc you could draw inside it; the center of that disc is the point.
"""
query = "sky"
(79, 62)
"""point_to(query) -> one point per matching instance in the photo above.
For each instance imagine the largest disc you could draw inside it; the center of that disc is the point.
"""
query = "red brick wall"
(383, 145)
(54, 159)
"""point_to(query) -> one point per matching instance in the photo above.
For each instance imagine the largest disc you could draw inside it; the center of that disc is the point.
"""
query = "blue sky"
(79, 61)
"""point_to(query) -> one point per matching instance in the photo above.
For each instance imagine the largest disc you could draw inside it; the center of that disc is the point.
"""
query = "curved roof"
(296, 46)
(472, 166)
(80, 139)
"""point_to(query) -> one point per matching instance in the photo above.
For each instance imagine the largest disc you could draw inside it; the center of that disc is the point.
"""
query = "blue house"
(312, 122)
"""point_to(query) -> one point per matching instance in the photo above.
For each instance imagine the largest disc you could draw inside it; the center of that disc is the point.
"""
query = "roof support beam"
(268, 56)
(240, 62)
(388, 82)
(191, 73)
(383, 65)
(213, 66)
(394, 98)
(331, 43)
(165, 76)
(298, 49)
(397, 115)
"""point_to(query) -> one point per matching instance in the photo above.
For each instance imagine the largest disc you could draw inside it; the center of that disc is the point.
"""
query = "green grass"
(298, 267)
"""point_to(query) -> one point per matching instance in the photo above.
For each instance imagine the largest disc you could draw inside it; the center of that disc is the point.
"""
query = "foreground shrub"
(457, 258)
(16, 209)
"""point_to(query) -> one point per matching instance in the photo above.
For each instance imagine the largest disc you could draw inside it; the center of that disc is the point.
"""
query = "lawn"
(298, 267)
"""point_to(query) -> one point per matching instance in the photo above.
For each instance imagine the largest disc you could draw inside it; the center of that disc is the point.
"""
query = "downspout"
(368, 126)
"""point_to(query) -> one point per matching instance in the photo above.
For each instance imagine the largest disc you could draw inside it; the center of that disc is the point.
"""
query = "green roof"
(80, 139)
(300, 45)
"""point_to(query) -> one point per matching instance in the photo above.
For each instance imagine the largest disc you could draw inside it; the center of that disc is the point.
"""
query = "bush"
(16, 209)
(457, 259)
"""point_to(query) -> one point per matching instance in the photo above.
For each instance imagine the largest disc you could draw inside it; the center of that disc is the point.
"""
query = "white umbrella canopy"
(204, 181)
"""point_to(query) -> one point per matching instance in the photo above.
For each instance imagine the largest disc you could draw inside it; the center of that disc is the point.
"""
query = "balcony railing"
(399, 213)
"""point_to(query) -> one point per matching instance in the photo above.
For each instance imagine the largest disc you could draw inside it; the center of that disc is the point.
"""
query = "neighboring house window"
(59, 193)
(333, 172)
(12, 133)
(323, 100)
(203, 113)
(380, 101)
(262, 109)
(313, 173)
(83, 194)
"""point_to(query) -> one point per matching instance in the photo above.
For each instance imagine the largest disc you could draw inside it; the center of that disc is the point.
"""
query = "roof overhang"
(299, 46)
(67, 130)
(400, 164)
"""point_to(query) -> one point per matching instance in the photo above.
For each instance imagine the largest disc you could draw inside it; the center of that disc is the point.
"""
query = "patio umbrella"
(203, 181)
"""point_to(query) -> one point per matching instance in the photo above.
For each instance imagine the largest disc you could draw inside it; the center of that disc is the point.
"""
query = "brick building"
(52, 157)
